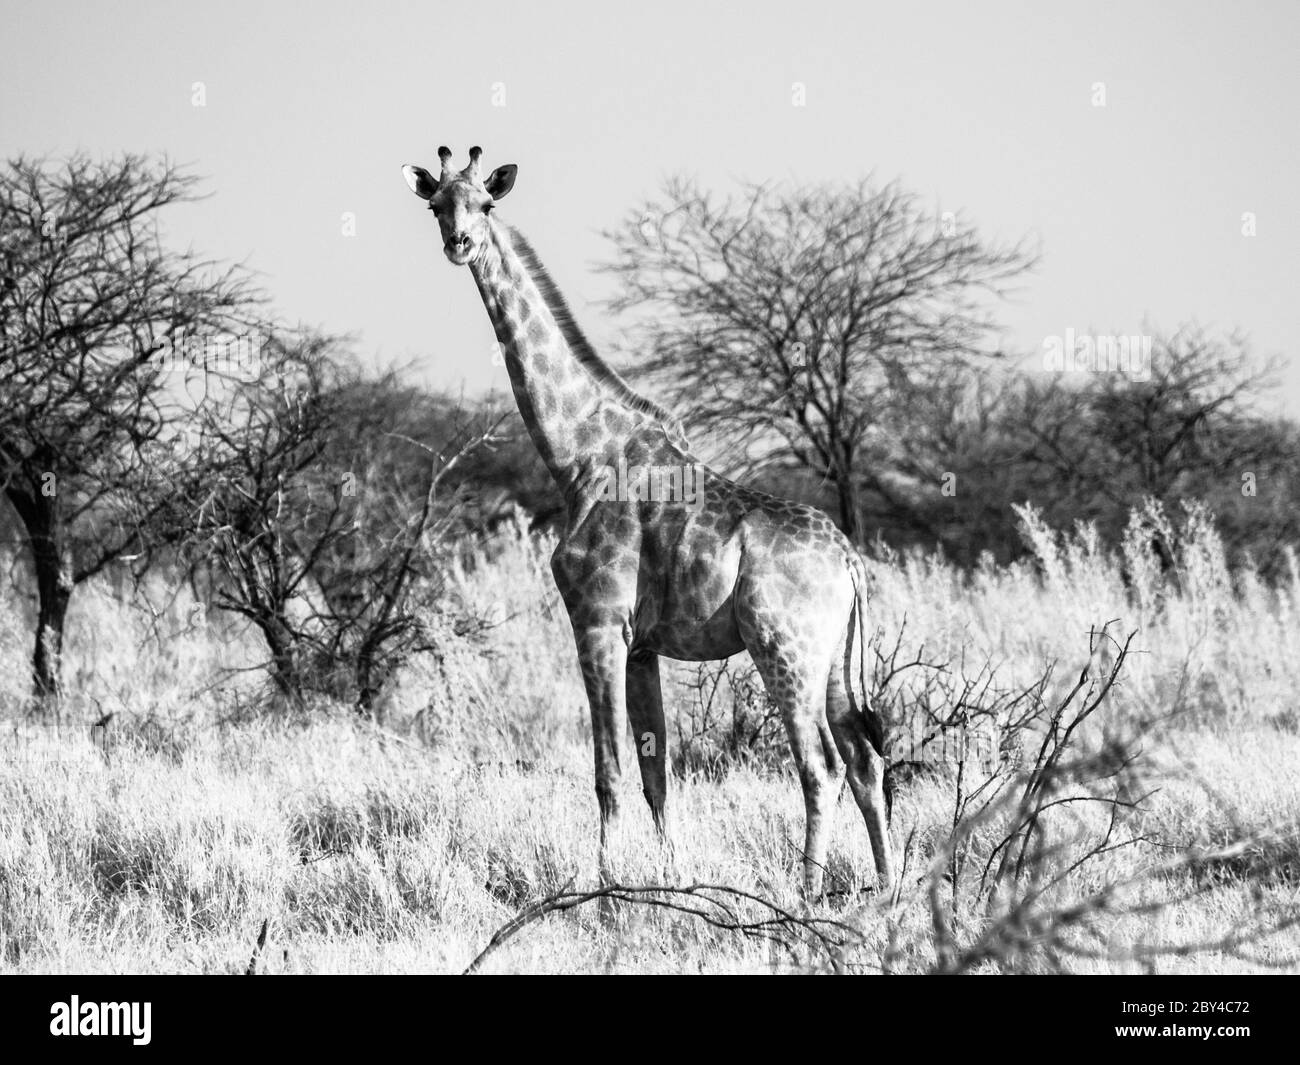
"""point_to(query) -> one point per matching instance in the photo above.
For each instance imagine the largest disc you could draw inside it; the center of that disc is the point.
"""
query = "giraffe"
(661, 556)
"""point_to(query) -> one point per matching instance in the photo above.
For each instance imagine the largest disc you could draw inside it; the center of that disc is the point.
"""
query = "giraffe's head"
(461, 201)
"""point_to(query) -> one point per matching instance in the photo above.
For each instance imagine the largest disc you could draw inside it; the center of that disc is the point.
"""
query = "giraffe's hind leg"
(858, 735)
(797, 685)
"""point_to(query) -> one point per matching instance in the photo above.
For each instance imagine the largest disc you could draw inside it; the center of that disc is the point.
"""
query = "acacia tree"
(1158, 434)
(319, 514)
(800, 326)
(380, 569)
(88, 297)
(1193, 427)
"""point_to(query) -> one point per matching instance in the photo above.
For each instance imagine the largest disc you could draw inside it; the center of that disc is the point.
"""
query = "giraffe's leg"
(799, 693)
(820, 792)
(602, 653)
(831, 751)
(859, 736)
(645, 711)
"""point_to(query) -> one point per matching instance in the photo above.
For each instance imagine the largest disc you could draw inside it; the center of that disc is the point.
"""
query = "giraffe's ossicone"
(660, 555)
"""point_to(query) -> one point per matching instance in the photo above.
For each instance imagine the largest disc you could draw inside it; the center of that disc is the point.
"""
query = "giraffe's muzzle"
(460, 249)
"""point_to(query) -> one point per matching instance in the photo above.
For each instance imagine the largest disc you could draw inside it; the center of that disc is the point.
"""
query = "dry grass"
(166, 840)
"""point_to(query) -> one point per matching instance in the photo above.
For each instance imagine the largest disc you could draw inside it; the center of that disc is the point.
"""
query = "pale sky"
(981, 108)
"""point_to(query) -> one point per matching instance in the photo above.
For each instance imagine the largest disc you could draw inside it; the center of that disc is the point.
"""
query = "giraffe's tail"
(860, 692)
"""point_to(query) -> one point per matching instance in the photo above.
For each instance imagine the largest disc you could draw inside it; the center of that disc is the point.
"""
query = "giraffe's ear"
(501, 180)
(422, 183)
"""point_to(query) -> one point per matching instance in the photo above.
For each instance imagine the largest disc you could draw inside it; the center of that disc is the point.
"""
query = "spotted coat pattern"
(728, 569)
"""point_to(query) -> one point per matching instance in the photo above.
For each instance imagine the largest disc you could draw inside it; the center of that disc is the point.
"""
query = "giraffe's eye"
(487, 208)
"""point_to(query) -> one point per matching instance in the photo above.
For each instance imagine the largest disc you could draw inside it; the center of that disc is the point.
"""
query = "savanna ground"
(168, 838)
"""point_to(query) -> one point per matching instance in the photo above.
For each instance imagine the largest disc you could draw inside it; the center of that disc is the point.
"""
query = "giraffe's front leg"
(602, 653)
(645, 711)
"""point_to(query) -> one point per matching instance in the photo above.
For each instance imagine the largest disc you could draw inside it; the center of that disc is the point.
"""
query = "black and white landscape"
(711, 488)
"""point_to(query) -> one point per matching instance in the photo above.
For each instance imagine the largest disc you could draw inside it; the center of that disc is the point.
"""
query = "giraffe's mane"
(578, 343)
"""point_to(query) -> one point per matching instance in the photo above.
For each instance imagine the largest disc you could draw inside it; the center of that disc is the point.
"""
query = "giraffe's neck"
(577, 411)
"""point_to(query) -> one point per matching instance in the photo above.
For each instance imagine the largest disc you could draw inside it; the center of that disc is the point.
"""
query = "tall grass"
(162, 838)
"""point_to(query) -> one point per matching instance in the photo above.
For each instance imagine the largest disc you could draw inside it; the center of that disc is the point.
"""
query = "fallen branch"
(714, 904)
